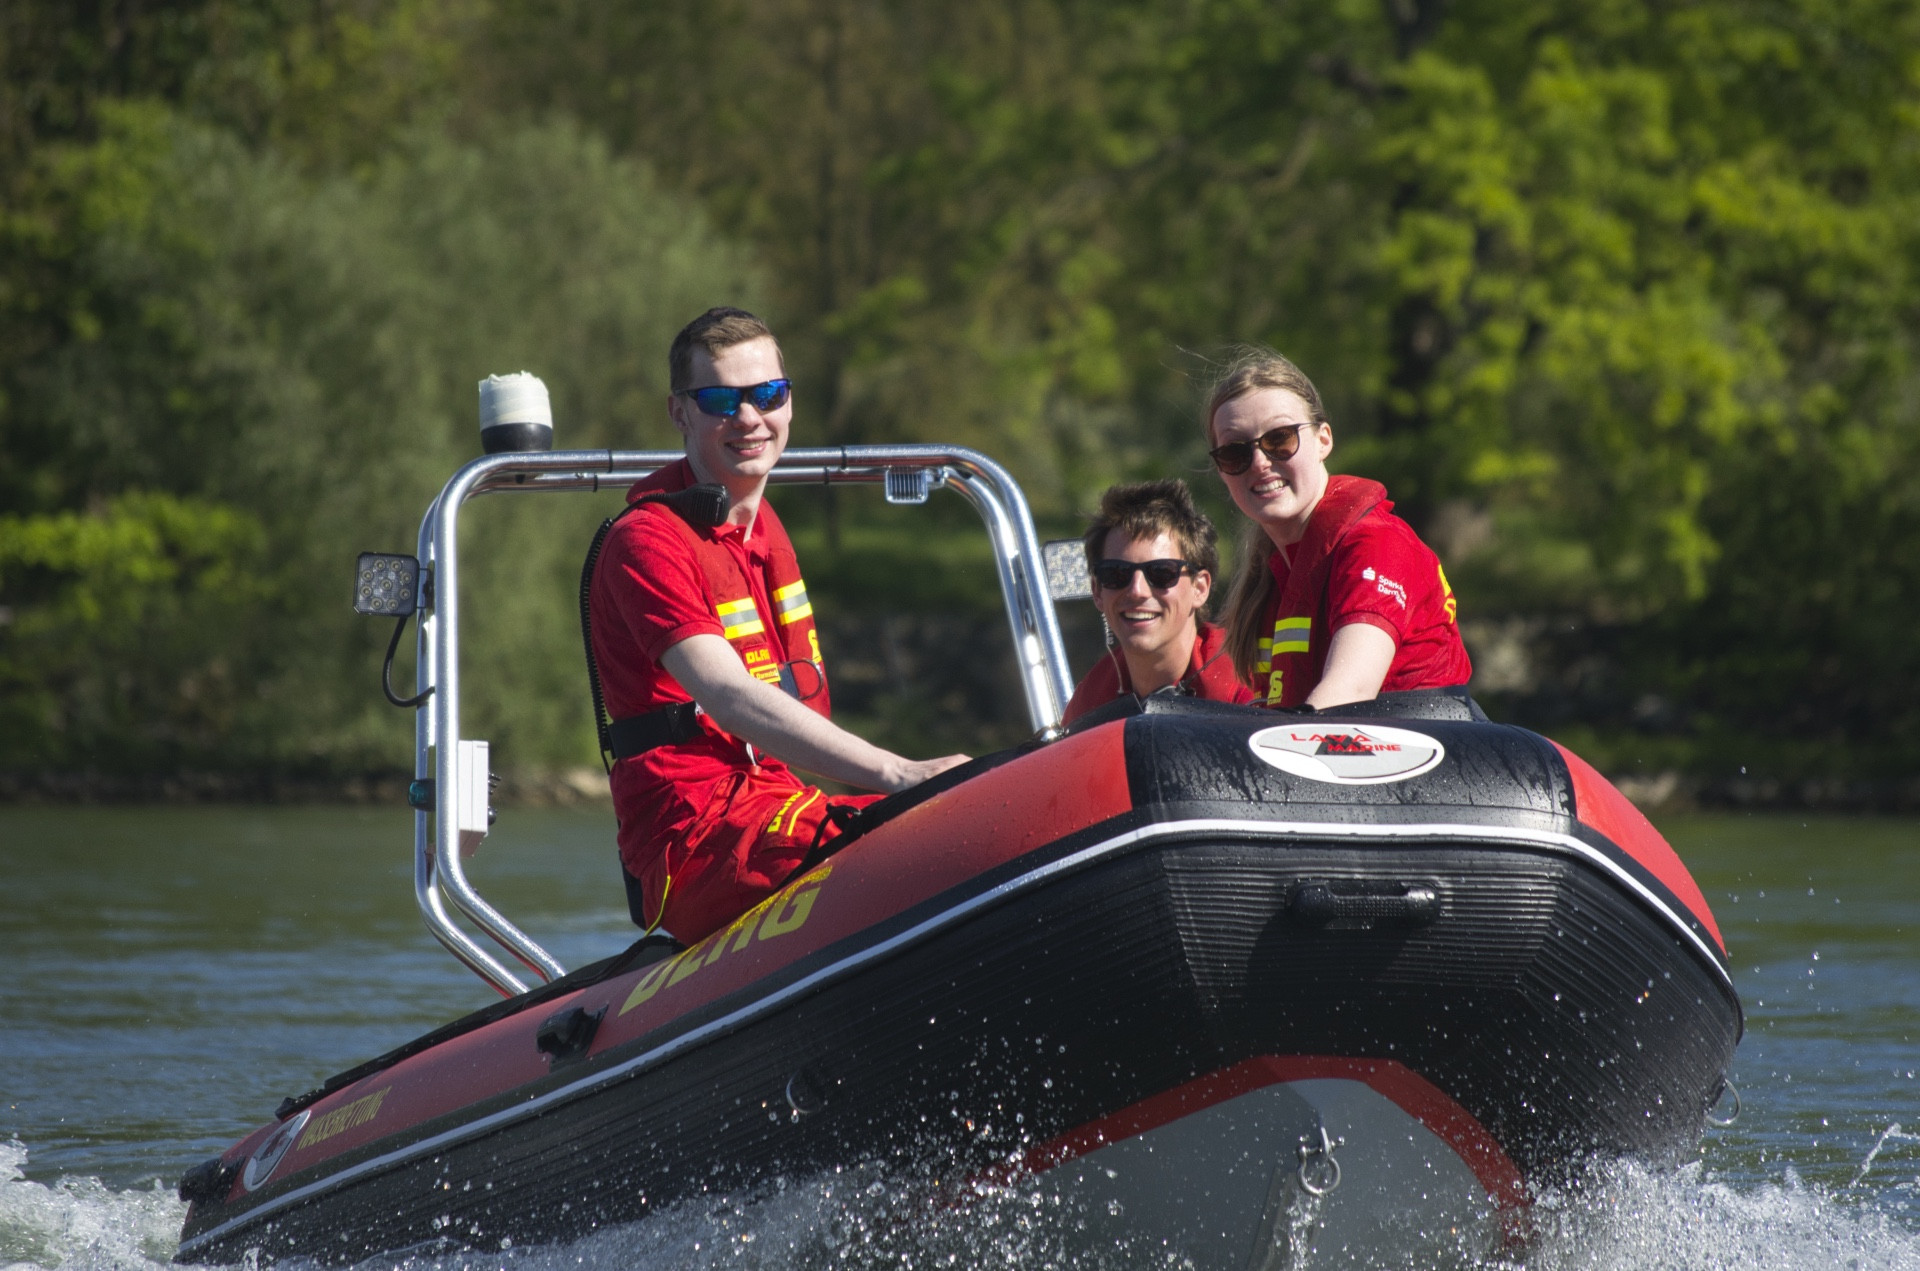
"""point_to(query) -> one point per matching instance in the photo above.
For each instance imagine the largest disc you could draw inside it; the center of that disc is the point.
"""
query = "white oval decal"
(266, 1157)
(1347, 754)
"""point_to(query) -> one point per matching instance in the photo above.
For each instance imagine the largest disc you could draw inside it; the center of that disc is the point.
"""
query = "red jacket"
(1358, 563)
(1209, 675)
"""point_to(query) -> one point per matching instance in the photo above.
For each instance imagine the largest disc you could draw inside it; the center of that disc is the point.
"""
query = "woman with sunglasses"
(1335, 599)
(1152, 556)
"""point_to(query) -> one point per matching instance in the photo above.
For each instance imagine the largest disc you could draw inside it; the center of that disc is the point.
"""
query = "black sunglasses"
(723, 401)
(1277, 444)
(1116, 575)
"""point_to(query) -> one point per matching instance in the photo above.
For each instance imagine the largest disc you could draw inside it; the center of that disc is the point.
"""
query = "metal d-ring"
(1319, 1160)
(1726, 1088)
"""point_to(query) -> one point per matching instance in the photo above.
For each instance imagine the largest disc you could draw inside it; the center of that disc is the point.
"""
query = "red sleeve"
(655, 585)
(1376, 575)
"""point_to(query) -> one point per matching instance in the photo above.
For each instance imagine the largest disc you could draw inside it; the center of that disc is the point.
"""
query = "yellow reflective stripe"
(790, 602)
(1290, 635)
(773, 826)
(794, 820)
(739, 618)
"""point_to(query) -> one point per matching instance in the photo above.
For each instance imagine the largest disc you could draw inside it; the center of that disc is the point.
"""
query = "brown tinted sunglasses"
(1277, 444)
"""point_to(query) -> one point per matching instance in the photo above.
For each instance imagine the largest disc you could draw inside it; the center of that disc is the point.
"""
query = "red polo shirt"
(639, 612)
(1380, 573)
(1209, 675)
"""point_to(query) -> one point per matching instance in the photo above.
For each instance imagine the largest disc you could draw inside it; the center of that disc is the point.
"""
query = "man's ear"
(1202, 588)
(677, 412)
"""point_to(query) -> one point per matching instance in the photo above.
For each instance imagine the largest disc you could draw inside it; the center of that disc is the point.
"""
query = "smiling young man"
(705, 642)
(1152, 556)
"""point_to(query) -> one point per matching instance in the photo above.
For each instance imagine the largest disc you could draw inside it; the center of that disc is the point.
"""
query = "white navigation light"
(515, 413)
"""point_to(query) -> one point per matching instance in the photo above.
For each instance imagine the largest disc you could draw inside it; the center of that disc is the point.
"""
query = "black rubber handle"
(1368, 904)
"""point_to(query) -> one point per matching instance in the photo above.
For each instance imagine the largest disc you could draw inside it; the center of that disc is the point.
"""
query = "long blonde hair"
(1250, 368)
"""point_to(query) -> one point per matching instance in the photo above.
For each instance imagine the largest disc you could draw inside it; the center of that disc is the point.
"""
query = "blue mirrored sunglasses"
(723, 401)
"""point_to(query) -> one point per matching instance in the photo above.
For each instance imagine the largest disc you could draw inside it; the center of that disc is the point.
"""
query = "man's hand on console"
(913, 771)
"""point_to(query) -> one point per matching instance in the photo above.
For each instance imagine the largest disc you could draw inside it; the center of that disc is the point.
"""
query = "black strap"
(847, 820)
(600, 725)
(637, 734)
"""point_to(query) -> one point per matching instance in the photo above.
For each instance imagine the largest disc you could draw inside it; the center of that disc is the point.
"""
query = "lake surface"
(176, 971)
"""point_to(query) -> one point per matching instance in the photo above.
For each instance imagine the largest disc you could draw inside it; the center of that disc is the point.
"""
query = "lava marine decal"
(1347, 754)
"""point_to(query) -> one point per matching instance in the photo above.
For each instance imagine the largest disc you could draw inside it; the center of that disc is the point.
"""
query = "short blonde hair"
(718, 328)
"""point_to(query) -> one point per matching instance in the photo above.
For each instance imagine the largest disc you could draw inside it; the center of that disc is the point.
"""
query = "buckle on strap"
(637, 734)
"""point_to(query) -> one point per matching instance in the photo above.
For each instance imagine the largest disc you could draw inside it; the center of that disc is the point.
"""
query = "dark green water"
(175, 972)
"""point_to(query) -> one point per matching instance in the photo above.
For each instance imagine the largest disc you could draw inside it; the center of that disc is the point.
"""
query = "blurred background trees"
(1616, 296)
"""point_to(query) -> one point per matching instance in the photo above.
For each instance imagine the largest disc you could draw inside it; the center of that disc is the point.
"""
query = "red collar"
(1345, 501)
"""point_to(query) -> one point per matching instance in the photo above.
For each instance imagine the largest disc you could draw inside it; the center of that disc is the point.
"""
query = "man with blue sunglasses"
(704, 639)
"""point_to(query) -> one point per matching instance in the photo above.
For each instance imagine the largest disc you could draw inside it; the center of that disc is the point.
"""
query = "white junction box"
(470, 805)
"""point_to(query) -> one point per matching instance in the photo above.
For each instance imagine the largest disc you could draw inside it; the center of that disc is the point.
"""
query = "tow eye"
(566, 1036)
(1732, 1114)
(1319, 1171)
(209, 1181)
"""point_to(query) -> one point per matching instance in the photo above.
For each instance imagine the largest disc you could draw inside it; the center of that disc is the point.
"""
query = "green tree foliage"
(1590, 285)
(298, 354)
(121, 630)
(1616, 295)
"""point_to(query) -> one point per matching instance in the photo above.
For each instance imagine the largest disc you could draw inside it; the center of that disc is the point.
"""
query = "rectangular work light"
(386, 586)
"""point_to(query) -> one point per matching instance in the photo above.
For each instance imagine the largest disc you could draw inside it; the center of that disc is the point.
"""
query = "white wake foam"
(1632, 1218)
(80, 1224)
(1628, 1218)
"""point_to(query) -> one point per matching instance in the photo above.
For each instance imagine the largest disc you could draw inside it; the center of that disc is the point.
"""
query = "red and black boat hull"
(1075, 945)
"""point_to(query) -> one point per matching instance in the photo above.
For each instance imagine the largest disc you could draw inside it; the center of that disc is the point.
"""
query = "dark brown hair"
(716, 329)
(1152, 508)
(1249, 369)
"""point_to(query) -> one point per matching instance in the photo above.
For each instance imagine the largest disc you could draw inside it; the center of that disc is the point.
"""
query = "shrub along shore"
(1616, 298)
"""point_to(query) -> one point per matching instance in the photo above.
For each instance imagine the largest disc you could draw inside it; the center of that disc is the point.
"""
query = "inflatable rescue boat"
(1241, 984)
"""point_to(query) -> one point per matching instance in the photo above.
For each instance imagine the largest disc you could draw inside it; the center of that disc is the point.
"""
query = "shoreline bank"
(1668, 791)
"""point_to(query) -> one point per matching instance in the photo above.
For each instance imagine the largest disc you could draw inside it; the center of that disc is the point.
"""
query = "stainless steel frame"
(438, 874)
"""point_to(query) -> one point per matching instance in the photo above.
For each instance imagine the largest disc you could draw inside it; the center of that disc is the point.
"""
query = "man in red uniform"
(1152, 556)
(1336, 599)
(705, 643)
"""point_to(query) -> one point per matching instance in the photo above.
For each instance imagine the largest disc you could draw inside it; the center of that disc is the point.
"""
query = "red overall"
(707, 826)
(1209, 674)
(1358, 563)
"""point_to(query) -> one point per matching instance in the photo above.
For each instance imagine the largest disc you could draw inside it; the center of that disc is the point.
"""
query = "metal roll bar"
(909, 473)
